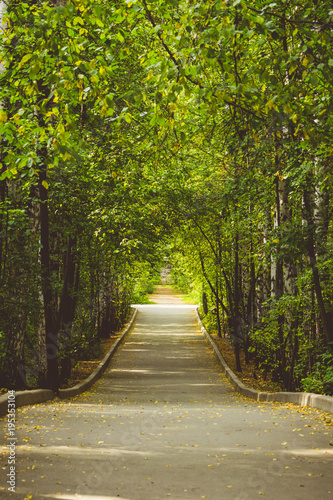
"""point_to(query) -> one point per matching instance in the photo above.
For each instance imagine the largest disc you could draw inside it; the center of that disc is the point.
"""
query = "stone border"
(23, 398)
(324, 403)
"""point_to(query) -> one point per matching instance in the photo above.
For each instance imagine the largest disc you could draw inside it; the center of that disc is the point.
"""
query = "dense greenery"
(131, 129)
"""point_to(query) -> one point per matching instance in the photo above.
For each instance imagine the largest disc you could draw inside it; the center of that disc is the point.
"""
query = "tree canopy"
(133, 130)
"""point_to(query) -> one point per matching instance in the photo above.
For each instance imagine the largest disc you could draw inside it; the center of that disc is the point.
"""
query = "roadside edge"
(24, 398)
(89, 381)
(318, 401)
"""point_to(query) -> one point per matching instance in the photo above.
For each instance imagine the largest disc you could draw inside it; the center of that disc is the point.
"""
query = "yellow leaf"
(25, 58)
(45, 185)
(296, 131)
(61, 128)
(288, 109)
(3, 116)
(292, 69)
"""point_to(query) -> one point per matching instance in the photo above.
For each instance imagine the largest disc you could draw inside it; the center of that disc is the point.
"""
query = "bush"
(320, 381)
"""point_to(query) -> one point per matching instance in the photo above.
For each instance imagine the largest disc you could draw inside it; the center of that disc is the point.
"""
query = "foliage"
(134, 127)
(321, 379)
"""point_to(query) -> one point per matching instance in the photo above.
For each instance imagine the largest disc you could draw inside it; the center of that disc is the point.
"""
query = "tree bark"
(276, 263)
(67, 305)
(51, 336)
(237, 319)
(309, 228)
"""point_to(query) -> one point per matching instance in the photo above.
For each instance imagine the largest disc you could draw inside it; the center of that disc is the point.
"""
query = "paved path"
(163, 422)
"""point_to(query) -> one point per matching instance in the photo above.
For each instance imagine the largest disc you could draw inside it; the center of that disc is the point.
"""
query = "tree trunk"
(325, 315)
(51, 336)
(67, 305)
(219, 332)
(237, 319)
(276, 263)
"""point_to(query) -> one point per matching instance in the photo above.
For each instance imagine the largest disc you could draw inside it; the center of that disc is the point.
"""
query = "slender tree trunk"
(67, 305)
(321, 211)
(237, 319)
(325, 315)
(51, 334)
(276, 263)
(213, 290)
(219, 330)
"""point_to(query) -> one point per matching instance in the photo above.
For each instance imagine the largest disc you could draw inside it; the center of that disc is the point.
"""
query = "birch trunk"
(276, 263)
(310, 238)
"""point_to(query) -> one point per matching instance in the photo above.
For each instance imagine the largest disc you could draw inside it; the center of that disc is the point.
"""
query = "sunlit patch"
(82, 452)
(88, 497)
(312, 453)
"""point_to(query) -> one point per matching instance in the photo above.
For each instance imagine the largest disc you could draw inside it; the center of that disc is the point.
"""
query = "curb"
(23, 398)
(324, 403)
(88, 382)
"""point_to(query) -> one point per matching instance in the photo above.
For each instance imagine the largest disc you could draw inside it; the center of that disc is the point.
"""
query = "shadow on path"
(163, 422)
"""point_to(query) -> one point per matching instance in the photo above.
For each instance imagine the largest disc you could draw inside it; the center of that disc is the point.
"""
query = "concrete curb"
(88, 382)
(324, 403)
(23, 398)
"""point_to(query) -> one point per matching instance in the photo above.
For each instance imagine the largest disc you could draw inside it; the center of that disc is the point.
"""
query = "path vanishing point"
(163, 422)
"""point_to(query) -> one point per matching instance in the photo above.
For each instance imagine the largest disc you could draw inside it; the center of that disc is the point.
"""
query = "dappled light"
(88, 497)
(164, 418)
(165, 165)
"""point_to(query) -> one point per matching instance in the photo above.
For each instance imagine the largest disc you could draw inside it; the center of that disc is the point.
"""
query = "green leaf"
(26, 58)
(120, 37)
(34, 70)
(128, 117)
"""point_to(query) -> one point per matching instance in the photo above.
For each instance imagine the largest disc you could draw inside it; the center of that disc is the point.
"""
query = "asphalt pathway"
(163, 422)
